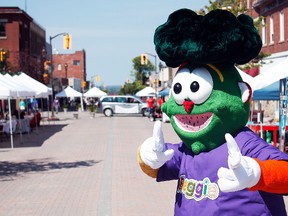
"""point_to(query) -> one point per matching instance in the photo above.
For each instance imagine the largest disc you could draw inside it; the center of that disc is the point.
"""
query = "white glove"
(243, 172)
(153, 152)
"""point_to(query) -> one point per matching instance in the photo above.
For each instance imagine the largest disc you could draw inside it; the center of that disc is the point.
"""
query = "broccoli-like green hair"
(217, 37)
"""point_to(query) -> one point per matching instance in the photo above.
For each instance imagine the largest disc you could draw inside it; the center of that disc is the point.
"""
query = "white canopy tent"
(22, 91)
(70, 92)
(94, 92)
(7, 93)
(10, 89)
(272, 74)
(147, 91)
(20, 86)
(40, 89)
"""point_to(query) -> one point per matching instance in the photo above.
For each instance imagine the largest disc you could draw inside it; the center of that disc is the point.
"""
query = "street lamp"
(156, 74)
(162, 73)
(97, 79)
(52, 68)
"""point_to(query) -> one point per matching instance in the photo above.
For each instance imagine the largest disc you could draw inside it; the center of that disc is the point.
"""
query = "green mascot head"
(208, 97)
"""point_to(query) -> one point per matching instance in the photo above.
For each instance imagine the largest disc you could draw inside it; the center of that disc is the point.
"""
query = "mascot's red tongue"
(188, 106)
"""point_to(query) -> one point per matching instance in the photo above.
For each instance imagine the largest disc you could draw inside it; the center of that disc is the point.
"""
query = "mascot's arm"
(274, 177)
(246, 172)
(152, 154)
(145, 168)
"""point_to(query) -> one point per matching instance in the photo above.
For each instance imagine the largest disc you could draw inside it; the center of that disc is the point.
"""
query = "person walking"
(56, 105)
(34, 104)
(158, 111)
(22, 105)
(150, 103)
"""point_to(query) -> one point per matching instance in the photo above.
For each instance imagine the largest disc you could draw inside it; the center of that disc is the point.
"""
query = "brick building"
(23, 40)
(70, 66)
(274, 28)
(274, 34)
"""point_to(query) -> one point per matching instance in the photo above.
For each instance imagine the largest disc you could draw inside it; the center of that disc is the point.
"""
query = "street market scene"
(191, 121)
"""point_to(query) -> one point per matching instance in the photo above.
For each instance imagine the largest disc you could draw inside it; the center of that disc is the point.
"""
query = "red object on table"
(274, 128)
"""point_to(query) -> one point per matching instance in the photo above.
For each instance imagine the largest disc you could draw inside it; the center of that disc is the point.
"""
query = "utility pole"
(52, 69)
(156, 74)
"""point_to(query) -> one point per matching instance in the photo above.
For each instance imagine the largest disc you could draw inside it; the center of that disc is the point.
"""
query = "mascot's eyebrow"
(217, 71)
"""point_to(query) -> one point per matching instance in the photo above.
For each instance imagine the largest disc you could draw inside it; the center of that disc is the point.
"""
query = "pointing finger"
(158, 136)
(233, 151)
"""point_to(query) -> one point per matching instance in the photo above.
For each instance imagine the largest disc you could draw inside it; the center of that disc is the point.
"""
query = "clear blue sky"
(111, 32)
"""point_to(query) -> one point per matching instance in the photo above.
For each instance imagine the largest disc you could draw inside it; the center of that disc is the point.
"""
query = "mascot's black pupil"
(177, 88)
(194, 86)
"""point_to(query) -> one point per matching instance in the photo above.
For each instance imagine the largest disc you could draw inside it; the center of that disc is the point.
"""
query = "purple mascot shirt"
(197, 190)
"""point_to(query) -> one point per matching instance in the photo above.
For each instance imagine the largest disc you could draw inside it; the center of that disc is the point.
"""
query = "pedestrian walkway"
(82, 167)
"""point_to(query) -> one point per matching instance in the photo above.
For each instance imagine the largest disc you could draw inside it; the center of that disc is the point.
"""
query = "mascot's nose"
(188, 105)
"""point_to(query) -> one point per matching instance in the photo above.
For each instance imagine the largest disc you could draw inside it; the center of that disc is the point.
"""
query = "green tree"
(234, 6)
(142, 72)
(131, 88)
(141, 75)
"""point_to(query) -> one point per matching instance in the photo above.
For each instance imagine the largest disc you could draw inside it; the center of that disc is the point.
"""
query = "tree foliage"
(234, 6)
(131, 88)
(141, 74)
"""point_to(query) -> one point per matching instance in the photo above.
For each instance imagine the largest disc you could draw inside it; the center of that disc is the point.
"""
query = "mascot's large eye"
(196, 86)
(179, 85)
(177, 88)
(201, 85)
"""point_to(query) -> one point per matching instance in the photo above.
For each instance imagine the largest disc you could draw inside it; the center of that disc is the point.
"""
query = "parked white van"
(121, 104)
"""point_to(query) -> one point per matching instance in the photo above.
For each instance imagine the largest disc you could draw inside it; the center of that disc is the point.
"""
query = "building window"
(3, 28)
(59, 67)
(281, 26)
(76, 62)
(248, 4)
(264, 38)
(271, 30)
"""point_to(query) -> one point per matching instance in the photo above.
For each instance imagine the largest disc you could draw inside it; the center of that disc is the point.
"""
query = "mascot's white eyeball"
(195, 86)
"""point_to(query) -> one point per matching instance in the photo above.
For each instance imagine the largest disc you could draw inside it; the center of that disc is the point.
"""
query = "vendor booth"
(70, 92)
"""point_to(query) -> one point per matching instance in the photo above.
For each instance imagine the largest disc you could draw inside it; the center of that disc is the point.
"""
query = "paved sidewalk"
(82, 167)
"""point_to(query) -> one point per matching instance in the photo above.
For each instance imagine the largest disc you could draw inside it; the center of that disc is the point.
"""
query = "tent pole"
(20, 126)
(10, 122)
(82, 107)
(48, 105)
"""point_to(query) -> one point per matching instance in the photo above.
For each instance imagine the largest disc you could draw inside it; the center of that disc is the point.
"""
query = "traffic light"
(67, 41)
(2, 55)
(47, 65)
(157, 82)
(83, 84)
(144, 59)
(46, 78)
(97, 78)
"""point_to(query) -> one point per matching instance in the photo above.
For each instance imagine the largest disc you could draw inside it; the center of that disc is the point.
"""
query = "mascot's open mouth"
(193, 123)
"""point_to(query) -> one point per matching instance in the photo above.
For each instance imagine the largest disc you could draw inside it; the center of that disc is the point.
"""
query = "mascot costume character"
(221, 166)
